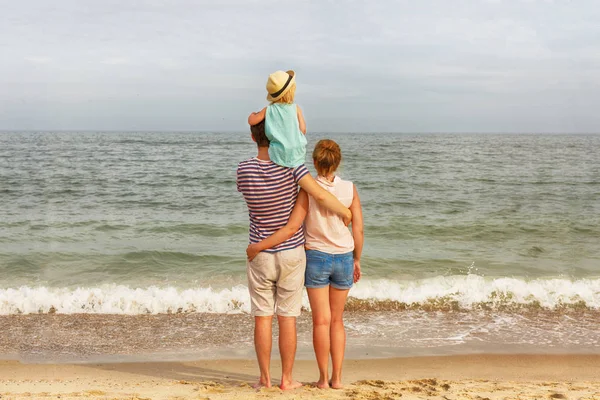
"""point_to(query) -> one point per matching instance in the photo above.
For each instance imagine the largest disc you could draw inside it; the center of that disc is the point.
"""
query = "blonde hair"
(327, 157)
(288, 97)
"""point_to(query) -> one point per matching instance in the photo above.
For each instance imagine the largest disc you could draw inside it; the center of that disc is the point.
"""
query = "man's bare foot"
(262, 383)
(322, 384)
(291, 385)
(336, 384)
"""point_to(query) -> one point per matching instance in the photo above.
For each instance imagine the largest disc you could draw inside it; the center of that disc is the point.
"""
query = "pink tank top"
(325, 231)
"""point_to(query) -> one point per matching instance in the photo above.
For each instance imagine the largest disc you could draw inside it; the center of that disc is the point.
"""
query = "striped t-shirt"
(270, 191)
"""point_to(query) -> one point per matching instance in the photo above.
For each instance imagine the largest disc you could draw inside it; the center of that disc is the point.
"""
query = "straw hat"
(279, 83)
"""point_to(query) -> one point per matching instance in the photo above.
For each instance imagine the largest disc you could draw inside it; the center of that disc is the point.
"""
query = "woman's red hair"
(327, 157)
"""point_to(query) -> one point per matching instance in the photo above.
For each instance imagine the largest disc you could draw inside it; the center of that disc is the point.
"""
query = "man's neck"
(263, 154)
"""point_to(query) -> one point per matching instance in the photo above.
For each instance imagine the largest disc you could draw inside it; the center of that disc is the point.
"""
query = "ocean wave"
(119, 299)
(209, 230)
(442, 293)
(472, 291)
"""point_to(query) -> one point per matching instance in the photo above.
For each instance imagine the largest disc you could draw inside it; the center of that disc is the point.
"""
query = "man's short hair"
(259, 135)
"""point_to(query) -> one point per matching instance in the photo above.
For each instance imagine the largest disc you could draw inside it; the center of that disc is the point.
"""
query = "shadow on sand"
(180, 372)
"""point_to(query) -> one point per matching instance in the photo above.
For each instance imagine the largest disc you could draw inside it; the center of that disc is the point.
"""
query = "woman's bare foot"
(322, 384)
(291, 385)
(336, 384)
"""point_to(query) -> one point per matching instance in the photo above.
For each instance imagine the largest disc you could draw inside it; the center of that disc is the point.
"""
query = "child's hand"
(252, 251)
(257, 117)
(357, 272)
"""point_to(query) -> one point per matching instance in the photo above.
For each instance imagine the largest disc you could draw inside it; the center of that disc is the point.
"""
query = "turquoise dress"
(288, 144)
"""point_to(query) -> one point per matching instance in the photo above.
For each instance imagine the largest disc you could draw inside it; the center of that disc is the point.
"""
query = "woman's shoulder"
(340, 181)
(344, 186)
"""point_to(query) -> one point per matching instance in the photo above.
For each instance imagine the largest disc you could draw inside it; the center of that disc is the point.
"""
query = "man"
(276, 275)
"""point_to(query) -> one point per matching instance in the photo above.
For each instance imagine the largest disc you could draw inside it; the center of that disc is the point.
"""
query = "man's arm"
(256, 117)
(357, 233)
(301, 122)
(324, 198)
(294, 223)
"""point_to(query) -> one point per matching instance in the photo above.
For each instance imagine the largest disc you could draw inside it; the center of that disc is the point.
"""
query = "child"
(286, 129)
(284, 123)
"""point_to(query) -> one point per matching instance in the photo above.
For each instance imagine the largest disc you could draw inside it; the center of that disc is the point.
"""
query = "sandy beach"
(452, 377)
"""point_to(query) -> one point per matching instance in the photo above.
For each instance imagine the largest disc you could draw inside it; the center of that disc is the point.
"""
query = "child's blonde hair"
(288, 97)
(327, 157)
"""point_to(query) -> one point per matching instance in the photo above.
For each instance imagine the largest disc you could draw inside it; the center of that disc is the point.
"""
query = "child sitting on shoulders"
(284, 123)
(286, 130)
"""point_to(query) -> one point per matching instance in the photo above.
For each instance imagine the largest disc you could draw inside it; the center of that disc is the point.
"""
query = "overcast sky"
(406, 66)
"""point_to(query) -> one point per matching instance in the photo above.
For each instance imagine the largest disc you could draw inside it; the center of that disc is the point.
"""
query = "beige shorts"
(275, 282)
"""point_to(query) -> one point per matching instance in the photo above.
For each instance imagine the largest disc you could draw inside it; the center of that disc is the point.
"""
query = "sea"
(127, 246)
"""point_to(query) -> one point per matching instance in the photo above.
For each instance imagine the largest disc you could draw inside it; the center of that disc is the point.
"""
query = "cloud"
(115, 61)
(38, 60)
(391, 65)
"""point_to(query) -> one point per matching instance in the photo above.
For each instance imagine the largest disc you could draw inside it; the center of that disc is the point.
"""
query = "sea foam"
(442, 292)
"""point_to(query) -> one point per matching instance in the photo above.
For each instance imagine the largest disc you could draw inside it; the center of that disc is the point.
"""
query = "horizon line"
(312, 132)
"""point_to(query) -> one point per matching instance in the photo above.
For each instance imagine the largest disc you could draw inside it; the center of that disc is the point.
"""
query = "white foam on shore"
(118, 299)
(468, 291)
(474, 289)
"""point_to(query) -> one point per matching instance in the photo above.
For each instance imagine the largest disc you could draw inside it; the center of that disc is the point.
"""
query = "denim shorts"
(324, 269)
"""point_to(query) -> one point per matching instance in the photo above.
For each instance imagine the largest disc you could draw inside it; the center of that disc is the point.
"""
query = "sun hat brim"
(276, 96)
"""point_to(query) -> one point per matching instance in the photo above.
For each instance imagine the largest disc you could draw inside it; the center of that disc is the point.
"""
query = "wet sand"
(451, 377)
(105, 338)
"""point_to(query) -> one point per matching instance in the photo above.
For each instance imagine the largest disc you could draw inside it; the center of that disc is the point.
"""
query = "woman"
(332, 259)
